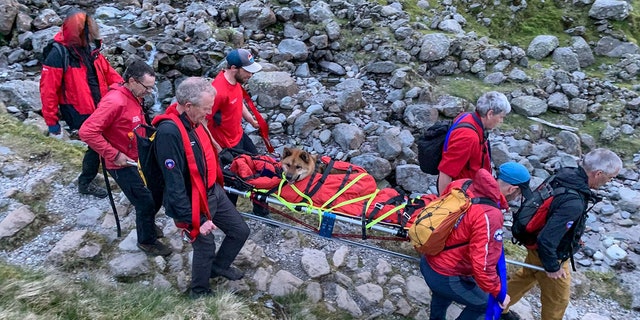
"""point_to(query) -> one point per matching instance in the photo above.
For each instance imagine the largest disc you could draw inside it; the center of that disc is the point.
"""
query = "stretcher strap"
(384, 216)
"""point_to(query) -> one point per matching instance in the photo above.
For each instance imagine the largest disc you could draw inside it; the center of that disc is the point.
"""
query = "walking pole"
(526, 265)
(113, 204)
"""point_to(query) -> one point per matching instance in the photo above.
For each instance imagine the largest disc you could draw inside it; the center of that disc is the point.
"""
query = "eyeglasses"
(146, 87)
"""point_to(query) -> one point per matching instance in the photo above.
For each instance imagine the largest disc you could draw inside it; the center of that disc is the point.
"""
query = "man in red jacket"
(71, 84)
(228, 110)
(467, 150)
(109, 131)
(466, 272)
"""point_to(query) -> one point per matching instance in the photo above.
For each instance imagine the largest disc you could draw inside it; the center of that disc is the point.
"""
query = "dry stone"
(15, 221)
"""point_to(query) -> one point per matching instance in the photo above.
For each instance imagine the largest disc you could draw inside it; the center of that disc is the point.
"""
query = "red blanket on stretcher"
(351, 194)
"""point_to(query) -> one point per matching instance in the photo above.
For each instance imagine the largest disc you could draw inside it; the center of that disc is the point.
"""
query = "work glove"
(55, 131)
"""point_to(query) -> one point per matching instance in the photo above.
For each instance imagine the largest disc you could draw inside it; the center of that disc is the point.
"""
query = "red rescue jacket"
(481, 229)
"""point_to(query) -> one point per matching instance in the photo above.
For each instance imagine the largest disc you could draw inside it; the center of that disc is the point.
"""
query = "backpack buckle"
(379, 205)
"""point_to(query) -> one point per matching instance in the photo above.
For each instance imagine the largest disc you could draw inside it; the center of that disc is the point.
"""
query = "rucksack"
(148, 167)
(533, 213)
(437, 219)
(434, 141)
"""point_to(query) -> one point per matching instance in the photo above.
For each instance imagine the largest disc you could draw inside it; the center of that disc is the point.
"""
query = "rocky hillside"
(356, 80)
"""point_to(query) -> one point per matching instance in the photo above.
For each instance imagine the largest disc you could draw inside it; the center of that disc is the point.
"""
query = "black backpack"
(533, 213)
(432, 143)
(64, 53)
(148, 167)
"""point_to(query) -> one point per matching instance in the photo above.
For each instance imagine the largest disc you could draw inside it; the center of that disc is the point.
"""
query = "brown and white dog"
(298, 164)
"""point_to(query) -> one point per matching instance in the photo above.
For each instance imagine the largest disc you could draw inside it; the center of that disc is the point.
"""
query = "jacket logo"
(169, 164)
(135, 119)
(569, 225)
(234, 101)
(498, 235)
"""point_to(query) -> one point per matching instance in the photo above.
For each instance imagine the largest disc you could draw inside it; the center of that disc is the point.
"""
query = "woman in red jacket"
(466, 273)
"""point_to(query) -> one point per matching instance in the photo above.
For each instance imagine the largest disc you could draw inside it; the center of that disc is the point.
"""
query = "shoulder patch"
(498, 235)
(169, 164)
(569, 225)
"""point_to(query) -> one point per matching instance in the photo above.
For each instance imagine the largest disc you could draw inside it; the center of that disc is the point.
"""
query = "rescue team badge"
(169, 164)
(498, 235)
(569, 225)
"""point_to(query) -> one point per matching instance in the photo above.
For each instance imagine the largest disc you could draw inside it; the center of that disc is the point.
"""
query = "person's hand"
(505, 303)
(557, 275)
(207, 227)
(122, 160)
(255, 124)
(55, 131)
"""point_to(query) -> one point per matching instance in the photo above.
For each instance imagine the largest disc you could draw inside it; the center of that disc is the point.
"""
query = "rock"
(541, 46)
(558, 101)
(411, 178)
(314, 292)
(418, 290)
(339, 256)
(566, 59)
(332, 67)
(271, 87)
(529, 106)
(495, 78)
(89, 217)
(8, 15)
(314, 263)
(69, 243)
(320, 12)
(349, 95)
(381, 67)
(348, 136)
(129, 265)
(378, 167)
(583, 51)
(451, 26)
(189, 65)
(570, 142)
(612, 47)
(610, 9)
(371, 293)
(434, 47)
(389, 144)
(283, 283)
(255, 15)
(420, 115)
(629, 199)
(296, 48)
(23, 93)
(15, 221)
(45, 19)
(345, 301)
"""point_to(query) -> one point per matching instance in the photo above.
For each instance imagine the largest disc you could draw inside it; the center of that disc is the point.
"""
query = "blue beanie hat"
(513, 173)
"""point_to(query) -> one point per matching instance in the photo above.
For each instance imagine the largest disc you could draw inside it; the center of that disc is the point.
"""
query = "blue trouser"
(90, 167)
(140, 197)
(205, 260)
(446, 289)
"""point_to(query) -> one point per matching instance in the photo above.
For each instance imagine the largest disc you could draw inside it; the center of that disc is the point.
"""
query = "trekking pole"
(113, 204)
(526, 265)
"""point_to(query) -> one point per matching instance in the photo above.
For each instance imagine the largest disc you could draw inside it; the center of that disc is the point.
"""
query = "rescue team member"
(466, 272)
(195, 199)
(109, 131)
(228, 110)
(72, 83)
(559, 239)
(468, 150)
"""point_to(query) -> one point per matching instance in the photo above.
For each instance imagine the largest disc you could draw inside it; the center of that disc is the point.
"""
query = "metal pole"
(247, 194)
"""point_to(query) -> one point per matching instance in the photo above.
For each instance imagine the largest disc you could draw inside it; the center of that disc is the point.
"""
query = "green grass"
(47, 295)
(607, 285)
(28, 140)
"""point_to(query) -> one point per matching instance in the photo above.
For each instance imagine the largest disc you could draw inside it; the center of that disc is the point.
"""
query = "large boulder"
(8, 15)
(271, 87)
(434, 47)
(529, 106)
(541, 46)
(610, 9)
(255, 15)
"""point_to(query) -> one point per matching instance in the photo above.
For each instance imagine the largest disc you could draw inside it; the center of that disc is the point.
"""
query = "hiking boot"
(197, 295)
(159, 232)
(231, 273)
(93, 189)
(155, 249)
(510, 316)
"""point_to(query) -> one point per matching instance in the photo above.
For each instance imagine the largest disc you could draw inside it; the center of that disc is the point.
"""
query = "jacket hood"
(485, 185)
(74, 31)
(574, 178)
(170, 110)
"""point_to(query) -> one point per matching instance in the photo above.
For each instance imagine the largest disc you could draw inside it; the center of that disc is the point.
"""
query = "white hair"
(602, 160)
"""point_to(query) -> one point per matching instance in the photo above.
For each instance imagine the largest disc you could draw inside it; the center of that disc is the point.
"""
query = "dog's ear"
(306, 157)
(286, 152)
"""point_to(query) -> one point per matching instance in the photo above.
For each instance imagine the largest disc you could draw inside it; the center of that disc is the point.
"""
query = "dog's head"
(297, 164)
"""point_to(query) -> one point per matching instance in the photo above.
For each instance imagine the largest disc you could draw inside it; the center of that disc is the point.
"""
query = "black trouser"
(227, 218)
(245, 144)
(140, 197)
(90, 166)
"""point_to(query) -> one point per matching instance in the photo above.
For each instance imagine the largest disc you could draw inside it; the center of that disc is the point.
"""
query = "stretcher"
(349, 196)
(260, 179)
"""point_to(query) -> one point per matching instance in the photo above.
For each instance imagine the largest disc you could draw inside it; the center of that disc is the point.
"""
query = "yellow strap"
(384, 216)
(345, 188)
